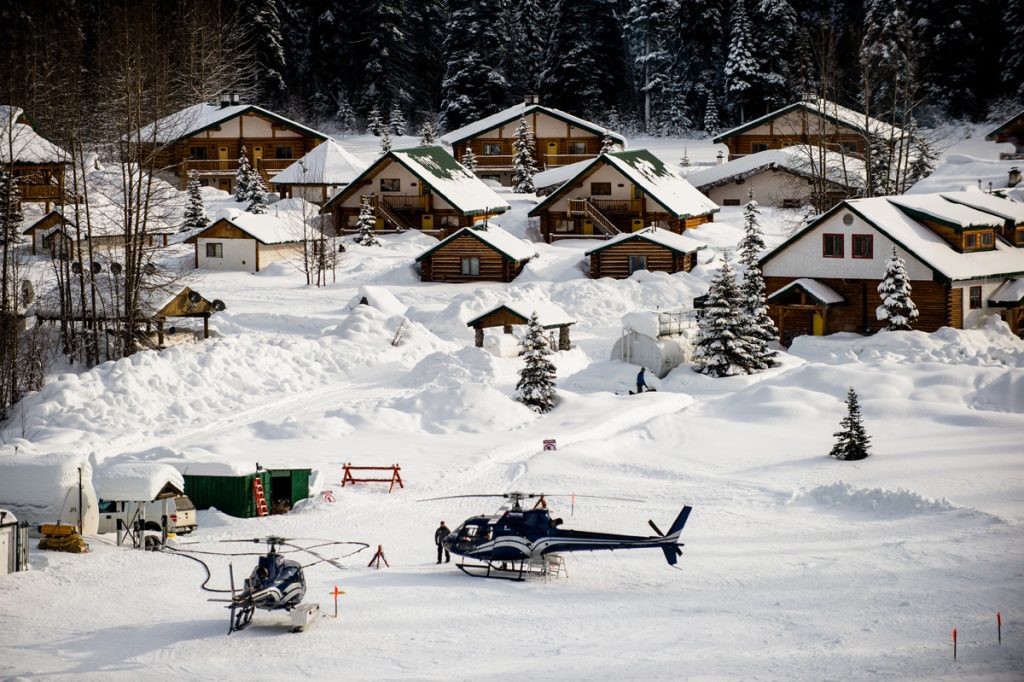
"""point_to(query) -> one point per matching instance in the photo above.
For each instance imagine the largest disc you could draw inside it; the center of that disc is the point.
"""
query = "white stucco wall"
(547, 126)
(275, 252)
(611, 175)
(792, 124)
(771, 188)
(254, 126)
(804, 259)
(975, 318)
(239, 254)
(406, 178)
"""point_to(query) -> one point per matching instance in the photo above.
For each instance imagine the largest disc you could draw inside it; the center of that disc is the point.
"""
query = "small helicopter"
(522, 538)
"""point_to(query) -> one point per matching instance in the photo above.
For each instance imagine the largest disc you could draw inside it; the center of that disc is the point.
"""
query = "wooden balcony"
(553, 160)
(494, 161)
(628, 206)
(212, 167)
(404, 202)
(39, 192)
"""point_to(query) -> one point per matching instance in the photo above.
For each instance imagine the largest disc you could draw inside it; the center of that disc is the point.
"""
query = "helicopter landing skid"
(241, 617)
(516, 571)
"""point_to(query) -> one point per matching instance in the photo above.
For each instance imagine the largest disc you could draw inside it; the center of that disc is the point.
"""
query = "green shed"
(233, 494)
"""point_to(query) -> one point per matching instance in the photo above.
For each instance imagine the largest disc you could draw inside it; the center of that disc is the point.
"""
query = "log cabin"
(652, 249)
(518, 313)
(480, 253)
(809, 121)
(560, 138)
(784, 178)
(37, 164)
(1011, 131)
(824, 279)
(55, 233)
(318, 175)
(422, 188)
(209, 139)
(621, 192)
(246, 242)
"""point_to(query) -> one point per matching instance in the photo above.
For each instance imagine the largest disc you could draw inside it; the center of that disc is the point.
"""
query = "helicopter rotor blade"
(530, 496)
(660, 534)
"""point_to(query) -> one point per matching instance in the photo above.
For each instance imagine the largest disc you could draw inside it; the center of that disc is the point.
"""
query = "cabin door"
(257, 155)
(222, 155)
(818, 325)
(552, 153)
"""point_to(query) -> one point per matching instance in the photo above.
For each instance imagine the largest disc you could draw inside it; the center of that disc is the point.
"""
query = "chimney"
(225, 99)
(234, 98)
(1014, 178)
(532, 99)
(720, 157)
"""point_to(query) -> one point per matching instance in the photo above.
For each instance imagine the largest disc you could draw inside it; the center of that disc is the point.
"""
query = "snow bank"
(469, 408)
(41, 480)
(378, 297)
(842, 497)
(136, 481)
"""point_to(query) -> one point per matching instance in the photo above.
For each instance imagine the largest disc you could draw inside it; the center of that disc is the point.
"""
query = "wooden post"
(206, 325)
(479, 336)
(563, 338)
(160, 332)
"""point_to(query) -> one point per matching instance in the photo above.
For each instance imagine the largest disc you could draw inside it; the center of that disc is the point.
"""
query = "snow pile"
(378, 297)
(842, 497)
(451, 370)
(469, 408)
(368, 328)
(40, 481)
(136, 481)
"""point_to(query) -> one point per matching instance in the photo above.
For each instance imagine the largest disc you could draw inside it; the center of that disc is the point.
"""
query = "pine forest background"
(661, 67)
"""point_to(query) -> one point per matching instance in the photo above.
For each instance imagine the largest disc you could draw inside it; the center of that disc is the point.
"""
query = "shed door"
(257, 153)
(6, 550)
(552, 152)
(818, 324)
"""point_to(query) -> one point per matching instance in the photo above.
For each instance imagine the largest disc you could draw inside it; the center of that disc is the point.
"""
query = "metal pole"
(80, 522)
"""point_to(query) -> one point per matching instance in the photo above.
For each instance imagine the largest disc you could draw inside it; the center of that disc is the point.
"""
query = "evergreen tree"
(383, 29)
(761, 329)
(385, 141)
(852, 441)
(648, 27)
(1013, 57)
(741, 69)
(396, 121)
(522, 159)
(474, 85)
(243, 178)
(428, 134)
(711, 123)
(607, 144)
(261, 25)
(365, 224)
(536, 386)
(721, 348)
(469, 159)
(345, 116)
(699, 57)
(195, 211)
(897, 306)
(922, 156)
(779, 53)
(10, 209)
(257, 194)
(375, 123)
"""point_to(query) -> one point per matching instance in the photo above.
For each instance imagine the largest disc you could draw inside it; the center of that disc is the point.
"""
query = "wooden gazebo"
(188, 303)
(506, 315)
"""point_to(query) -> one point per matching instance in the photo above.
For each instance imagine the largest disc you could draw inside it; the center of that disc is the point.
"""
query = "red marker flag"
(999, 624)
(954, 644)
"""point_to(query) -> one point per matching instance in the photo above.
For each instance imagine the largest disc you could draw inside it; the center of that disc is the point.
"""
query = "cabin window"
(986, 239)
(470, 265)
(197, 153)
(577, 147)
(564, 225)
(974, 298)
(1020, 236)
(832, 245)
(283, 153)
(863, 246)
(791, 203)
(637, 263)
(848, 147)
(600, 189)
(390, 185)
(731, 202)
(492, 149)
(214, 250)
(756, 147)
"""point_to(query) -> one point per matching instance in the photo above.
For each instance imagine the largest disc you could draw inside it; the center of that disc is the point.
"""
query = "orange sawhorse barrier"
(396, 476)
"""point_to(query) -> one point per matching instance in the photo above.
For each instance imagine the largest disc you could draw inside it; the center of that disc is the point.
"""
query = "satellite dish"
(194, 297)
(28, 292)
(115, 268)
(218, 305)
(96, 268)
(76, 268)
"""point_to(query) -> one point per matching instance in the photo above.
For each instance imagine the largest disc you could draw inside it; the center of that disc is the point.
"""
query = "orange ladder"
(261, 499)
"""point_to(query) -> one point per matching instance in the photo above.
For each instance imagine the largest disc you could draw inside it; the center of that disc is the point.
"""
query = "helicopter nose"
(449, 541)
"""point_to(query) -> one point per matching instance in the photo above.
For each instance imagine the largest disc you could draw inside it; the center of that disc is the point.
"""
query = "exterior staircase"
(390, 216)
(600, 220)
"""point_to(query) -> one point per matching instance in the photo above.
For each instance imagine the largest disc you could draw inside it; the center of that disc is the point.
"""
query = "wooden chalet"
(652, 249)
(319, 174)
(55, 234)
(421, 188)
(809, 121)
(1011, 131)
(38, 165)
(246, 242)
(782, 178)
(561, 139)
(824, 279)
(518, 313)
(481, 253)
(621, 192)
(209, 138)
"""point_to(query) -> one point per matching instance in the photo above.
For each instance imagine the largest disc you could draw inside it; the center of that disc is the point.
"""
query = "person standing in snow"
(641, 382)
(439, 535)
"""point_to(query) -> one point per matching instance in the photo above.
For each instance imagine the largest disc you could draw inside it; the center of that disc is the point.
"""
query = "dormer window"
(978, 240)
(1019, 240)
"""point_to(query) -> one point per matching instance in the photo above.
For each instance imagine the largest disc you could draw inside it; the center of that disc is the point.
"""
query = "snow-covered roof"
(20, 143)
(199, 117)
(266, 228)
(327, 164)
(137, 481)
(961, 172)
(510, 246)
(804, 160)
(1010, 293)
(822, 293)
(679, 243)
(1017, 120)
(516, 112)
(1007, 210)
(652, 175)
(831, 111)
(211, 467)
(936, 207)
(560, 174)
(548, 314)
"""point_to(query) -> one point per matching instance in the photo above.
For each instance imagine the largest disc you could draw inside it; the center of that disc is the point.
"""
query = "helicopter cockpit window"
(467, 533)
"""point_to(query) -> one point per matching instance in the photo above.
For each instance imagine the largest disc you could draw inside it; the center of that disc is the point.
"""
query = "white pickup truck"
(181, 515)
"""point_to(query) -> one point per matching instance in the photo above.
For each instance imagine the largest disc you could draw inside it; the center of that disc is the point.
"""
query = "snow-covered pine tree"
(741, 69)
(195, 211)
(721, 348)
(345, 116)
(243, 178)
(10, 209)
(375, 123)
(685, 160)
(607, 144)
(365, 224)
(649, 31)
(897, 306)
(536, 386)
(761, 329)
(396, 121)
(711, 122)
(428, 134)
(922, 156)
(261, 27)
(474, 85)
(385, 141)
(469, 159)
(1013, 57)
(257, 194)
(852, 441)
(779, 52)
(522, 159)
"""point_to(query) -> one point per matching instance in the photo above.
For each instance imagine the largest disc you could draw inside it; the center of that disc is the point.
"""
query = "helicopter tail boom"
(671, 540)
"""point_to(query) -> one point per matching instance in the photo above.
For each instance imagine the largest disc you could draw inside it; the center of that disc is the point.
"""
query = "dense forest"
(663, 67)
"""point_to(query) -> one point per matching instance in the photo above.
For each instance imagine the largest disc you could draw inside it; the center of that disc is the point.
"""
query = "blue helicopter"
(515, 542)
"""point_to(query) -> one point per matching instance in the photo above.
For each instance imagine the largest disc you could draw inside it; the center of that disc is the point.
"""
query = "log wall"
(445, 264)
(614, 260)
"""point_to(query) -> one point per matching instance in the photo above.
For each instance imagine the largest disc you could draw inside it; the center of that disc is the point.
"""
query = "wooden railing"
(267, 167)
(600, 220)
(577, 206)
(39, 192)
(494, 161)
(384, 211)
(630, 206)
(404, 202)
(552, 160)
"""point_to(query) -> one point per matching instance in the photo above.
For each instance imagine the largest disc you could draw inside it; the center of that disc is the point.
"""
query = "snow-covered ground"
(796, 566)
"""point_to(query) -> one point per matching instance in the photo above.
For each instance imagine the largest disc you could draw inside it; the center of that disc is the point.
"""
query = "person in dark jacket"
(641, 382)
(439, 535)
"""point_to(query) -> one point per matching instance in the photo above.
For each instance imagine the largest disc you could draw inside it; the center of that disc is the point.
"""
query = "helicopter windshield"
(473, 534)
